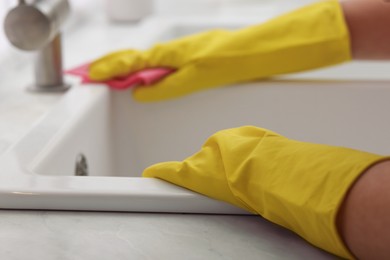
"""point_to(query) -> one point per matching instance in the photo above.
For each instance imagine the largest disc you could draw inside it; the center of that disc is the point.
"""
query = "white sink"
(120, 137)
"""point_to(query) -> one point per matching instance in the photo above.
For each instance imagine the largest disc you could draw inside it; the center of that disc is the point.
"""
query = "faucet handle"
(35, 26)
(32, 26)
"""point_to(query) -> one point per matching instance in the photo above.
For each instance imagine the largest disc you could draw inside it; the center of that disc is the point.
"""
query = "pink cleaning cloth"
(142, 77)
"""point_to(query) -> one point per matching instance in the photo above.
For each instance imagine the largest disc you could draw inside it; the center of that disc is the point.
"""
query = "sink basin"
(119, 137)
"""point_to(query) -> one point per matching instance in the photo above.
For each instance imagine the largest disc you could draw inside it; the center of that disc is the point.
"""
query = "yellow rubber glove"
(295, 184)
(312, 37)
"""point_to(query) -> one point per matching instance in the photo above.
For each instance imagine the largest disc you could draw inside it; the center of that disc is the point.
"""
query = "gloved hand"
(297, 185)
(311, 37)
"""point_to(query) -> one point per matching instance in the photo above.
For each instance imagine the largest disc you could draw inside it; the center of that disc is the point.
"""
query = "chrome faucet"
(35, 26)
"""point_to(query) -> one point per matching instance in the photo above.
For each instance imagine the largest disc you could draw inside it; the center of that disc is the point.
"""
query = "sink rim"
(20, 187)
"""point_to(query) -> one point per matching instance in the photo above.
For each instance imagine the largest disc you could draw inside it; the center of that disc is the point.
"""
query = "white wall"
(160, 6)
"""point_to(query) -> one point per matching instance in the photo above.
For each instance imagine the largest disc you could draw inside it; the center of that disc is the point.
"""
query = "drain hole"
(81, 168)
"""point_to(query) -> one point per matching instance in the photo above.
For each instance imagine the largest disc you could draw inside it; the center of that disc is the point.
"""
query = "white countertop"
(103, 235)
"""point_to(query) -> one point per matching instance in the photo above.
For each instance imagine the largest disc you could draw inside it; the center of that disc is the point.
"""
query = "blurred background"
(106, 9)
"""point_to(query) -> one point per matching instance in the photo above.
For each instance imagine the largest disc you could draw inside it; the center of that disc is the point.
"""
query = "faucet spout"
(48, 68)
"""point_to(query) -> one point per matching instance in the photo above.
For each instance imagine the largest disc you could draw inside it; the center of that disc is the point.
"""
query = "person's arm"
(364, 218)
(311, 37)
(368, 22)
(298, 185)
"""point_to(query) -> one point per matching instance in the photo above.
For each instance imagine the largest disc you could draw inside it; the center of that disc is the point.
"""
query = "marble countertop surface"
(108, 235)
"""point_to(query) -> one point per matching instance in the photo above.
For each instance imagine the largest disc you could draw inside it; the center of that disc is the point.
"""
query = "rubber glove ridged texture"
(295, 184)
(312, 37)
